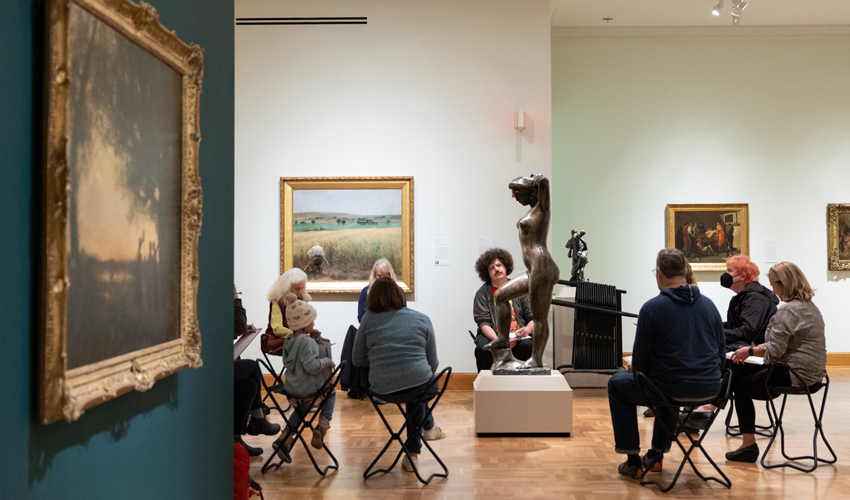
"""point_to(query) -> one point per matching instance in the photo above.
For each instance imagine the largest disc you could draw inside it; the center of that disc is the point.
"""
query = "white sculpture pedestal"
(522, 404)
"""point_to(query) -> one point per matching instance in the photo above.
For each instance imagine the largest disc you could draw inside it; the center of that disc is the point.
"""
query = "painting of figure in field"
(708, 237)
(124, 209)
(338, 234)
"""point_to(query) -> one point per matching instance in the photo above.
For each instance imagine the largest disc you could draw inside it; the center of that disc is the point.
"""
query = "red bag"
(241, 466)
(271, 345)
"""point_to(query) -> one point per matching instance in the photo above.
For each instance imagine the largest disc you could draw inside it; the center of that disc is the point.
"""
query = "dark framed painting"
(838, 236)
(122, 198)
(708, 234)
(335, 228)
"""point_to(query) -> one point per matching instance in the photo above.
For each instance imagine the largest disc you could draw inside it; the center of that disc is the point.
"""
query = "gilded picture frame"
(838, 236)
(334, 228)
(708, 234)
(122, 204)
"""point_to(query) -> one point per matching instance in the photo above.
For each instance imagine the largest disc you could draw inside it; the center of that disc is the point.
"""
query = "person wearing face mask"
(380, 269)
(493, 267)
(752, 306)
(795, 337)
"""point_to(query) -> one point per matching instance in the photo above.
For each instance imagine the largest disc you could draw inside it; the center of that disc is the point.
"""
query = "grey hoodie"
(303, 365)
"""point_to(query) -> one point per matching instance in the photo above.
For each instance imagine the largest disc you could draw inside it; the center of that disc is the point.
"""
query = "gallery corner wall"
(640, 123)
(172, 441)
(422, 89)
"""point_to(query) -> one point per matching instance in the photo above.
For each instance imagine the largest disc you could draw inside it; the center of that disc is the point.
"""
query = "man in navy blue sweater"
(680, 346)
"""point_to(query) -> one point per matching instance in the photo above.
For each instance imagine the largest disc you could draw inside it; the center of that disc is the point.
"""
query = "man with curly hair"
(493, 267)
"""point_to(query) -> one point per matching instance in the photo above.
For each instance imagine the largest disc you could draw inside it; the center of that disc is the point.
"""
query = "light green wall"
(638, 124)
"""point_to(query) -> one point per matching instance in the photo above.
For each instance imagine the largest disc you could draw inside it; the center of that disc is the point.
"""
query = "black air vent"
(262, 21)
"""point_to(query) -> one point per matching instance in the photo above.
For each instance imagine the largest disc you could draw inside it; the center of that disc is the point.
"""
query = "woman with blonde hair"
(795, 337)
(380, 269)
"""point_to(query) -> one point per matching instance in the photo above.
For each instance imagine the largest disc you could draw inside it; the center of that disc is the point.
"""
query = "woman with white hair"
(380, 269)
(295, 281)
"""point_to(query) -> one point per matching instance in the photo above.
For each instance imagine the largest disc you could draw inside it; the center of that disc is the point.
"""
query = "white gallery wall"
(424, 89)
(640, 123)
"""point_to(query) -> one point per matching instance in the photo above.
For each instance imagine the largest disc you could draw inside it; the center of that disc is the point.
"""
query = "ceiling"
(590, 13)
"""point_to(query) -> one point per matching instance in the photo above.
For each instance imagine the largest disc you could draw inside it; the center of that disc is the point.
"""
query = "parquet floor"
(581, 467)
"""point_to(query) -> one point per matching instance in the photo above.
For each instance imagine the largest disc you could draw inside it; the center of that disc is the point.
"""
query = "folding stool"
(774, 392)
(735, 430)
(318, 400)
(656, 400)
(396, 436)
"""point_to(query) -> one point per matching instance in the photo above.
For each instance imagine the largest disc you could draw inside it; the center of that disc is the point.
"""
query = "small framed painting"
(335, 228)
(838, 236)
(708, 234)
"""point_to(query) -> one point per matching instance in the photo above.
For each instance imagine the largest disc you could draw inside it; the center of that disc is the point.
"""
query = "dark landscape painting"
(123, 255)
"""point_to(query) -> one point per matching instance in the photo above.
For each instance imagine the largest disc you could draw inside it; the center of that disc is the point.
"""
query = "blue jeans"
(623, 399)
(409, 397)
(296, 417)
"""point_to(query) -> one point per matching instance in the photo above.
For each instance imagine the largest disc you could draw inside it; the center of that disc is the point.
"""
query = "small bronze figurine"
(578, 251)
(539, 279)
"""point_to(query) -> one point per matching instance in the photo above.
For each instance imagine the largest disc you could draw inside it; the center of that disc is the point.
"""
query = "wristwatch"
(751, 350)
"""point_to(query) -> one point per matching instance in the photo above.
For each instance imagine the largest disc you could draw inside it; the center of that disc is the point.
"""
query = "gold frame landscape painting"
(335, 228)
(709, 234)
(122, 205)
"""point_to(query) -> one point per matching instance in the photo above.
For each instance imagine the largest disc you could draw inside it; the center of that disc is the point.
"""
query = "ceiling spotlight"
(716, 9)
(738, 7)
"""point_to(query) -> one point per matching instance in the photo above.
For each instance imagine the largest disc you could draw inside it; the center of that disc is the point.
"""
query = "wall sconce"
(519, 120)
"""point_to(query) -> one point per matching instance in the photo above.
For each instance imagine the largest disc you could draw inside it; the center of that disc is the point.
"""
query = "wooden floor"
(581, 467)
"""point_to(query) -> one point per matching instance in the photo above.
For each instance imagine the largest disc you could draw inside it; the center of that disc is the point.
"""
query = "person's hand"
(740, 355)
(316, 334)
(333, 365)
(513, 342)
(629, 368)
(235, 293)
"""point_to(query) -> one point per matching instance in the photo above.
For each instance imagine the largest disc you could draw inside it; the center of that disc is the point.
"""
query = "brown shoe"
(319, 432)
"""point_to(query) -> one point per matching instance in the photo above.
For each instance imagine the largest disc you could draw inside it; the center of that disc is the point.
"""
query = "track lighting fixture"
(738, 7)
(716, 9)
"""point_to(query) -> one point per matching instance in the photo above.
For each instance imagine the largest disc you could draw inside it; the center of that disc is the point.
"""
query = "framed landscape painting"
(838, 236)
(122, 205)
(708, 234)
(335, 228)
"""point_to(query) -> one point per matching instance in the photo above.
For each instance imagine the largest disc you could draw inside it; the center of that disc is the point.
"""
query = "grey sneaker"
(410, 465)
(433, 434)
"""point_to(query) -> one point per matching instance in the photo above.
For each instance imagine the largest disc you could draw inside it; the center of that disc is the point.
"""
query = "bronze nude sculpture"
(538, 280)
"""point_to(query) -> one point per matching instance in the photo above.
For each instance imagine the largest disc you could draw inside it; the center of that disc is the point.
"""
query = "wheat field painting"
(337, 234)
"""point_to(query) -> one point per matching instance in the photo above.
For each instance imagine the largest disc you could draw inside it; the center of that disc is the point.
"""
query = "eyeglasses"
(654, 271)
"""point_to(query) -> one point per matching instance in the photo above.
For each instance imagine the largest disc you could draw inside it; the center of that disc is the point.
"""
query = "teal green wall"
(640, 123)
(172, 441)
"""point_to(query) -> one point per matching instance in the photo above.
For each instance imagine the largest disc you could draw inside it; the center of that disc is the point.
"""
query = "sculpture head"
(524, 190)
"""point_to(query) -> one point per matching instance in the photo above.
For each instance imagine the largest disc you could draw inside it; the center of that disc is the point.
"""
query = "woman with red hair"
(752, 306)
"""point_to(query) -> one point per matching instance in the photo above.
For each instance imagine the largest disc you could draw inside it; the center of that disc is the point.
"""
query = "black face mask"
(726, 280)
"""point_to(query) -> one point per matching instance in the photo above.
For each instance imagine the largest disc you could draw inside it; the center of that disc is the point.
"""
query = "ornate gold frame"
(833, 212)
(289, 184)
(743, 211)
(67, 393)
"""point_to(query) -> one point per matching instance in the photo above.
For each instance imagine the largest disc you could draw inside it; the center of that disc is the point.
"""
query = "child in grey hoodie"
(304, 375)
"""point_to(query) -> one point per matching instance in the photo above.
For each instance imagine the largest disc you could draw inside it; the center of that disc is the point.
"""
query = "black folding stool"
(277, 375)
(656, 400)
(396, 436)
(735, 430)
(774, 392)
(318, 401)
